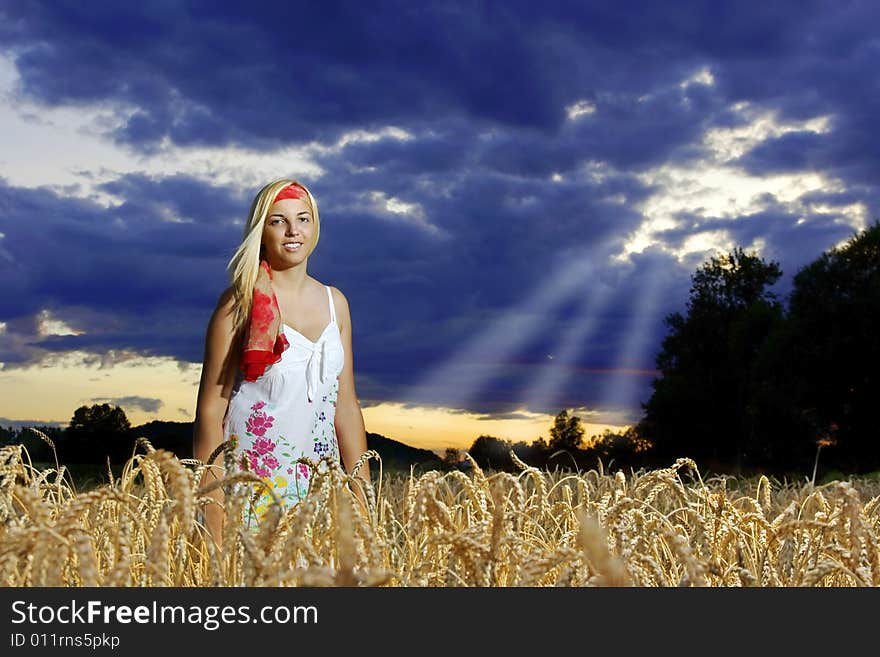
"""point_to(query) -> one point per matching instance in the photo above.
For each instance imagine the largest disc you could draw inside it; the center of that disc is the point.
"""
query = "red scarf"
(265, 340)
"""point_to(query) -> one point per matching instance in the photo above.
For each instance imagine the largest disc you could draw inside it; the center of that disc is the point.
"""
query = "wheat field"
(665, 527)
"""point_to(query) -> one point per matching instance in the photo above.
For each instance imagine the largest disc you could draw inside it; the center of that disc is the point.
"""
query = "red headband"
(291, 191)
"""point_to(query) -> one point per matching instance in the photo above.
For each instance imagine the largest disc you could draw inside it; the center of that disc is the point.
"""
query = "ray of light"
(621, 393)
(554, 375)
(458, 379)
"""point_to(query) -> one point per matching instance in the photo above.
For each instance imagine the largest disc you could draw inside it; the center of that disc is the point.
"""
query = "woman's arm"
(222, 353)
(349, 420)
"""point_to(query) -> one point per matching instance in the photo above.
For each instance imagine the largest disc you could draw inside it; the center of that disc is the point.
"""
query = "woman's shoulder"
(225, 310)
(338, 296)
(227, 296)
(225, 302)
(341, 303)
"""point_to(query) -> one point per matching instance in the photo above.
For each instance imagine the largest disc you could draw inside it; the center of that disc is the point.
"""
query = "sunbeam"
(457, 380)
(622, 390)
(553, 376)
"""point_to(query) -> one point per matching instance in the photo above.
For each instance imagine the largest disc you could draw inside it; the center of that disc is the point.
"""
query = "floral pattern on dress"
(261, 445)
(293, 484)
(324, 442)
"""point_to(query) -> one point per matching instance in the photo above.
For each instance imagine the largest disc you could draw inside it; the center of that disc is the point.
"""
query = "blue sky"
(513, 195)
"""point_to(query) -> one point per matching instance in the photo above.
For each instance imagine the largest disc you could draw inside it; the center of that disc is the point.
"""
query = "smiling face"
(288, 221)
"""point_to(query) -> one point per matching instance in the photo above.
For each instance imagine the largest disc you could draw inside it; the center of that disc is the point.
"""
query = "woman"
(273, 383)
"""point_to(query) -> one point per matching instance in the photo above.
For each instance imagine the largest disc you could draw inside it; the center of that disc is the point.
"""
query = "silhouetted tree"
(96, 432)
(534, 454)
(625, 449)
(834, 312)
(784, 437)
(566, 432)
(701, 406)
(174, 437)
(491, 452)
(450, 457)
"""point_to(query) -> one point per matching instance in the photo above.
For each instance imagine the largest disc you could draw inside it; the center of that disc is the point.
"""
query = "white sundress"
(287, 413)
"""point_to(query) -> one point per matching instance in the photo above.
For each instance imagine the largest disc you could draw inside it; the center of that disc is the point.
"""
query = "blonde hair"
(245, 263)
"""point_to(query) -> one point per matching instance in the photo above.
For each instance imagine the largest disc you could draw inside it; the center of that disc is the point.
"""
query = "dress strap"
(332, 308)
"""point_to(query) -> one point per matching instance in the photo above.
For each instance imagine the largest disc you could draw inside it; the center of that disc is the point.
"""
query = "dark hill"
(399, 456)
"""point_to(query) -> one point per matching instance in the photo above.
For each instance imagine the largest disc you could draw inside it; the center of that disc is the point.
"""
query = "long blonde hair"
(245, 263)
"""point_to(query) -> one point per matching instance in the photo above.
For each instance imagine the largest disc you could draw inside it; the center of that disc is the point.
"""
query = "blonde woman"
(277, 379)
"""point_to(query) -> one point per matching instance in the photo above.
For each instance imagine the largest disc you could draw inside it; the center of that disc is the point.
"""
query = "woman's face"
(288, 223)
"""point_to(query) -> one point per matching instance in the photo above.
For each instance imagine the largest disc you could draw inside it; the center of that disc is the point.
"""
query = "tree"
(623, 448)
(784, 439)
(834, 312)
(492, 453)
(566, 432)
(451, 457)
(95, 433)
(701, 405)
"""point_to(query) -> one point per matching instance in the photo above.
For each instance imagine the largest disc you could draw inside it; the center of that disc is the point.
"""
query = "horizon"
(439, 450)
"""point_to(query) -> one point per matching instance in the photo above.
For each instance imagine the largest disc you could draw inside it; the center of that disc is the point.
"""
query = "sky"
(513, 195)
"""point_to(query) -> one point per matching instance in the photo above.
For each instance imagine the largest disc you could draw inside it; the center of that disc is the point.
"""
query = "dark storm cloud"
(482, 91)
(848, 152)
(791, 152)
(146, 404)
(85, 245)
(275, 80)
(825, 66)
(208, 74)
(440, 153)
(224, 74)
(127, 276)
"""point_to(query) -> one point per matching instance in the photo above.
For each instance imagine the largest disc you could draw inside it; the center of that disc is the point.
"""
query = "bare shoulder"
(226, 298)
(222, 319)
(224, 308)
(342, 310)
(339, 298)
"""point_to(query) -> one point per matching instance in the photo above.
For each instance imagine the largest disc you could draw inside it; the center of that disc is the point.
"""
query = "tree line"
(96, 434)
